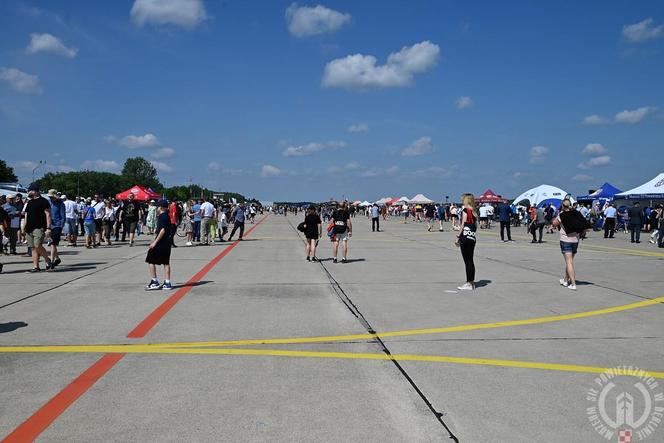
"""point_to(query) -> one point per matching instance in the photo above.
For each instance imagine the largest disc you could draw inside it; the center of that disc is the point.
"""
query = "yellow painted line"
(411, 332)
(142, 349)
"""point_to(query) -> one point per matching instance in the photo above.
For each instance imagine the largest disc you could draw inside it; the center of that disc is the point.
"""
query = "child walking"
(160, 250)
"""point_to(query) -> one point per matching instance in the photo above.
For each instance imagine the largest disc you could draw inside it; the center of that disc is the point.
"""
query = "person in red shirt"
(173, 216)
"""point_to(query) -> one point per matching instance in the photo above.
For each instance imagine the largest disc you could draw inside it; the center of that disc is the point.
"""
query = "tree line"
(135, 171)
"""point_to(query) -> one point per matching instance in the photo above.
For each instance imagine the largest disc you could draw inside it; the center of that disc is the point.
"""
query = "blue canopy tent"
(605, 192)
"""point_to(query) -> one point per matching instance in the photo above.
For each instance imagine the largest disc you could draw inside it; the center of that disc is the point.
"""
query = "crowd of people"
(44, 223)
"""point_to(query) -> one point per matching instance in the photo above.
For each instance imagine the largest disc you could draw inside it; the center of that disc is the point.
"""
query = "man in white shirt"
(207, 212)
(483, 217)
(99, 206)
(610, 214)
(71, 216)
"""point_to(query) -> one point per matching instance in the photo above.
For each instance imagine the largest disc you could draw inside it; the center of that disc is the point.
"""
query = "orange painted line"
(155, 316)
(38, 422)
(30, 429)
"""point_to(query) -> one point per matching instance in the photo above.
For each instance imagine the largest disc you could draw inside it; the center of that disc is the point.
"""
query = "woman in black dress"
(160, 250)
(312, 231)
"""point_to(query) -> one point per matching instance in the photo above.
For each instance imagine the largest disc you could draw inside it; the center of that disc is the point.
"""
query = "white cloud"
(436, 172)
(642, 31)
(420, 146)
(361, 72)
(310, 148)
(635, 116)
(583, 178)
(20, 81)
(270, 171)
(214, 166)
(538, 153)
(163, 153)
(134, 141)
(602, 160)
(595, 119)
(464, 102)
(100, 165)
(49, 43)
(182, 13)
(358, 127)
(378, 172)
(594, 149)
(161, 166)
(305, 21)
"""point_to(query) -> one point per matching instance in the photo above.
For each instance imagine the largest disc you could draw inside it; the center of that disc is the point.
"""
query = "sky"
(339, 99)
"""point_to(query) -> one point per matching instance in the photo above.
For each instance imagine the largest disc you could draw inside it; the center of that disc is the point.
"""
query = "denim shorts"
(566, 247)
(89, 227)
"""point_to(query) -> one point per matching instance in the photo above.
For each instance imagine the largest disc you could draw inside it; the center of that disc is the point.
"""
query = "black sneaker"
(57, 262)
(308, 258)
(33, 271)
(335, 260)
(343, 260)
(314, 259)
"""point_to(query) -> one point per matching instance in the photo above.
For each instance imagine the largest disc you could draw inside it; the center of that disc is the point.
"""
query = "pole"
(41, 162)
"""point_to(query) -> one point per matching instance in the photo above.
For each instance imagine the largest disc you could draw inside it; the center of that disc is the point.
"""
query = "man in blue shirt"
(375, 218)
(504, 216)
(58, 218)
(239, 222)
(197, 220)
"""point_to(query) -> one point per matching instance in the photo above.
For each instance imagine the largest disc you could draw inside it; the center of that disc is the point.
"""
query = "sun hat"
(52, 193)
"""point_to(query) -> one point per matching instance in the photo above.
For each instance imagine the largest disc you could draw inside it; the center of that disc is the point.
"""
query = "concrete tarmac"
(490, 382)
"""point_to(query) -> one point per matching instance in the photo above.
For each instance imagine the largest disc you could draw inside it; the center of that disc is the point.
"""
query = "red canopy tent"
(140, 193)
(490, 197)
(392, 201)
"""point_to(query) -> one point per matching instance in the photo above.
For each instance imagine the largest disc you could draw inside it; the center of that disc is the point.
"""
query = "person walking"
(313, 229)
(107, 222)
(37, 226)
(505, 218)
(222, 222)
(429, 214)
(174, 218)
(89, 226)
(151, 219)
(58, 219)
(71, 217)
(206, 211)
(159, 252)
(240, 217)
(196, 208)
(466, 240)
(571, 225)
(375, 218)
(635, 215)
(610, 214)
(131, 212)
(538, 223)
(342, 230)
(14, 222)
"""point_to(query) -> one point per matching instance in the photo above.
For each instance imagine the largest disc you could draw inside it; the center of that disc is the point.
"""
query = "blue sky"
(358, 99)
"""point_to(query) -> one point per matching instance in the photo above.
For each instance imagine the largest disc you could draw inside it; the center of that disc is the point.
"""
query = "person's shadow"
(12, 326)
(482, 283)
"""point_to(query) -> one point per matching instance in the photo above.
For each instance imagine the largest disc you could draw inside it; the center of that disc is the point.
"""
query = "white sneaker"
(563, 282)
(572, 287)
(189, 243)
(465, 287)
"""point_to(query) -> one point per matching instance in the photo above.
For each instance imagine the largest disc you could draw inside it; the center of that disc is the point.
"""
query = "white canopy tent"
(543, 195)
(402, 200)
(383, 200)
(651, 190)
(420, 199)
(365, 203)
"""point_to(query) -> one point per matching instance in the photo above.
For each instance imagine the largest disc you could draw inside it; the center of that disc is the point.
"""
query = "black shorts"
(98, 224)
(56, 233)
(159, 255)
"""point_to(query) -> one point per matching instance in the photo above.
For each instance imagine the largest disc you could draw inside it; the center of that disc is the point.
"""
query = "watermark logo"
(626, 405)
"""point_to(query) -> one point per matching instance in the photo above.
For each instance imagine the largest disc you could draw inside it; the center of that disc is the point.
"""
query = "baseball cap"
(163, 203)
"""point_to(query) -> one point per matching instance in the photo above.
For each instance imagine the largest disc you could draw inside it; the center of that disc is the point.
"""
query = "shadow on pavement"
(481, 283)
(12, 326)
(193, 284)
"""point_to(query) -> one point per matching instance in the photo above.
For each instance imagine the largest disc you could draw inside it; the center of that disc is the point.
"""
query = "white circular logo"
(625, 401)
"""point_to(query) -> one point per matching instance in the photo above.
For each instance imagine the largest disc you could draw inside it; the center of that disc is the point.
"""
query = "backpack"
(301, 227)
(573, 222)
